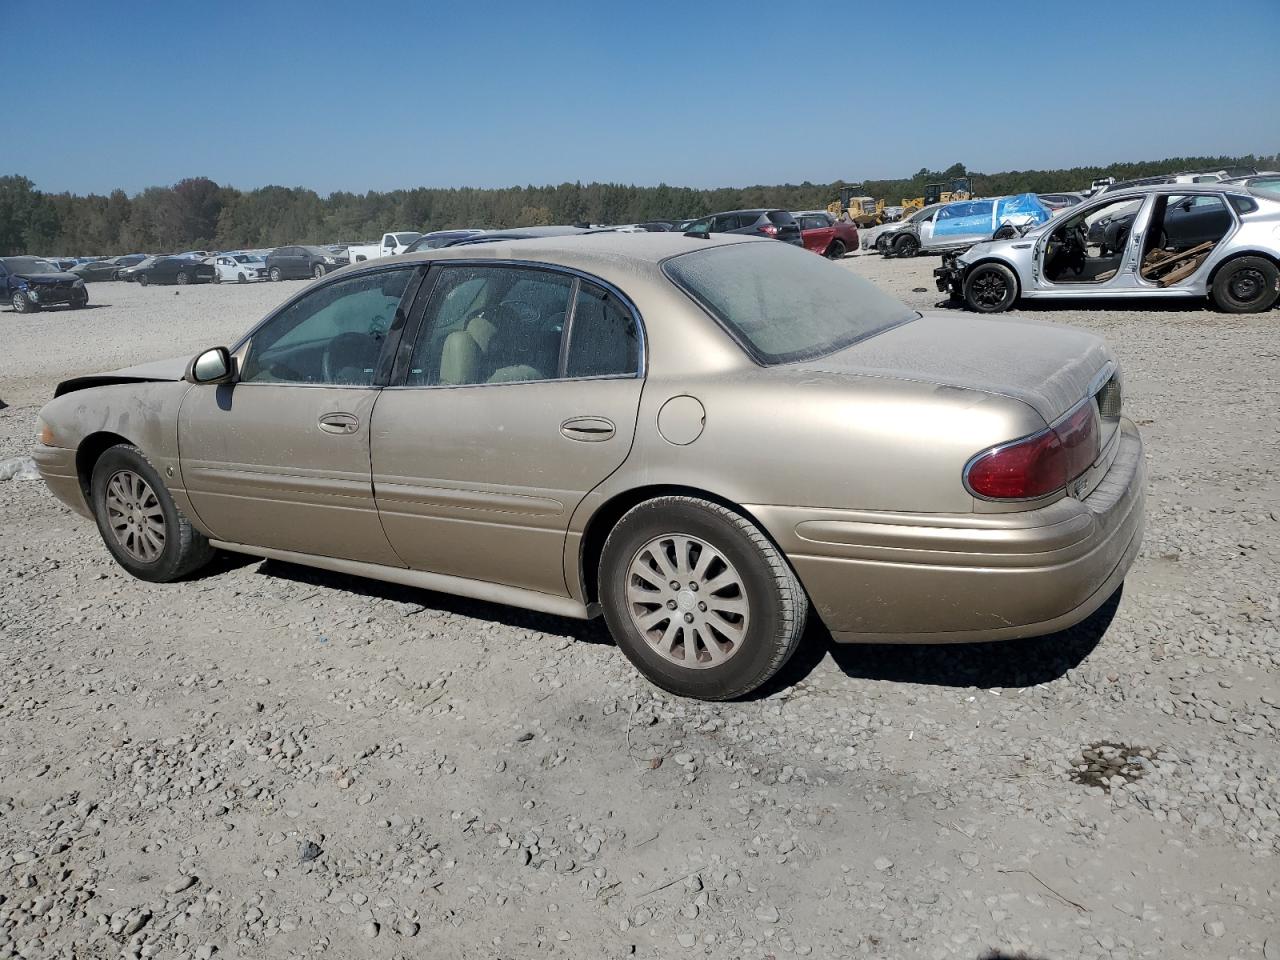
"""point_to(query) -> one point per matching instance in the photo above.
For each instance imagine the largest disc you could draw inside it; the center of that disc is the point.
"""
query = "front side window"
(781, 302)
(604, 339)
(332, 335)
(488, 324)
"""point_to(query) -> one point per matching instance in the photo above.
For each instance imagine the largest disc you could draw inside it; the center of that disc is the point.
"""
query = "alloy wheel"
(990, 289)
(135, 516)
(688, 601)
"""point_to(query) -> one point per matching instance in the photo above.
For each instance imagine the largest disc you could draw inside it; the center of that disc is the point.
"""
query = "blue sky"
(372, 96)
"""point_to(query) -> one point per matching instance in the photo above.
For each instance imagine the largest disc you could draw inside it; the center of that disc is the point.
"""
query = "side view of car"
(962, 223)
(239, 268)
(775, 224)
(179, 270)
(301, 262)
(130, 274)
(94, 270)
(391, 245)
(1174, 240)
(824, 234)
(29, 284)
(615, 424)
(881, 238)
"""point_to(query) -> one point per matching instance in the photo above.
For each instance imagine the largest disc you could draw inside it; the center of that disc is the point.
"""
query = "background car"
(299, 262)
(29, 284)
(881, 237)
(440, 238)
(239, 268)
(94, 270)
(824, 234)
(130, 274)
(179, 270)
(963, 223)
(1059, 201)
(775, 224)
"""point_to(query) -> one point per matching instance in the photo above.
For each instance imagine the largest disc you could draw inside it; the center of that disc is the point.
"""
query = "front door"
(518, 399)
(280, 458)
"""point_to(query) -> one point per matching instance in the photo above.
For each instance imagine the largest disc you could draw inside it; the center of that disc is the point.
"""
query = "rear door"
(519, 397)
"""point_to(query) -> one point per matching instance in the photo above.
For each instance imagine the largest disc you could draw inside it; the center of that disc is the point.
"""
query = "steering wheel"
(348, 350)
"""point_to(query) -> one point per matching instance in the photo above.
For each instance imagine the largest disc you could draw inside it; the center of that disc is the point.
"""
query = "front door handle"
(339, 423)
(588, 429)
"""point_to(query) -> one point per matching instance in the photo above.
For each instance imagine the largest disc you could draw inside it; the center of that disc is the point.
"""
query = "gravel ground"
(274, 762)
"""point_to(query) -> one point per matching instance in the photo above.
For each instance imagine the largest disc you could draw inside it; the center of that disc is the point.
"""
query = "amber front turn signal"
(46, 435)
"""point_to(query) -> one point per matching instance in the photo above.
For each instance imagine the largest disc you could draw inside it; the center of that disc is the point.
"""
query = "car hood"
(155, 371)
(1047, 366)
(47, 279)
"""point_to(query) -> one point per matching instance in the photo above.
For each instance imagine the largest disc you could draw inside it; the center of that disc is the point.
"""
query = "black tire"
(275, 274)
(240, 278)
(836, 250)
(778, 605)
(990, 288)
(184, 550)
(182, 279)
(318, 271)
(1246, 285)
(142, 280)
(80, 302)
(115, 275)
(22, 303)
(907, 245)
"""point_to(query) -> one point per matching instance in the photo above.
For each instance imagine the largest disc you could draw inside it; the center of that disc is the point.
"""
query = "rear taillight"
(770, 229)
(1039, 464)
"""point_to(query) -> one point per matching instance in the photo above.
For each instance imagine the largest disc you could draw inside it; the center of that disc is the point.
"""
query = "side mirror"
(211, 366)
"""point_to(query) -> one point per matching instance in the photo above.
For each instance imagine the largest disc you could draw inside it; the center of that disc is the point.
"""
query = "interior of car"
(1088, 247)
(1185, 231)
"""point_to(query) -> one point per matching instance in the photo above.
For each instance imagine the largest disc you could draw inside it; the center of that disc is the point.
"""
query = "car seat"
(462, 355)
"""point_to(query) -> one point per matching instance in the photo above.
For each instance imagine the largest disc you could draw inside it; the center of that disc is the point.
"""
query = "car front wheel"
(22, 303)
(990, 288)
(275, 274)
(142, 280)
(906, 246)
(140, 524)
(318, 272)
(1246, 285)
(699, 599)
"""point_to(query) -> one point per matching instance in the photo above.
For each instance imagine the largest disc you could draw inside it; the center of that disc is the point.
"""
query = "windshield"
(781, 302)
(29, 265)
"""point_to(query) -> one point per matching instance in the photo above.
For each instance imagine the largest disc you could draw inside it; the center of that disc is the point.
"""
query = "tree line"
(199, 213)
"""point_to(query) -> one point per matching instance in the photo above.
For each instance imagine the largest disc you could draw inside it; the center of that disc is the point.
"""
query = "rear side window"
(781, 303)
(604, 340)
(1242, 204)
(780, 218)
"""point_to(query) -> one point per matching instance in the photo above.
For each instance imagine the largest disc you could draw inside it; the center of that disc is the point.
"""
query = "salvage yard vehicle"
(955, 226)
(93, 270)
(130, 274)
(776, 224)
(179, 270)
(391, 245)
(239, 268)
(824, 234)
(882, 237)
(29, 284)
(705, 439)
(300, 262)
(1169, 240)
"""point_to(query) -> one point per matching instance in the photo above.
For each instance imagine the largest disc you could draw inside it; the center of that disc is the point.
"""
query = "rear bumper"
(935, 578)
(57, 466)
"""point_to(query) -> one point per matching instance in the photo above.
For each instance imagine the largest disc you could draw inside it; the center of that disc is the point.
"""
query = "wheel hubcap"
(989, 289)
(688, 601)
(1246, 284)
(135, 516)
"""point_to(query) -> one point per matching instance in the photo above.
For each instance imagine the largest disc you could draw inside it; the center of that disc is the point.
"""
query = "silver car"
(962, 223)
(1168, 240)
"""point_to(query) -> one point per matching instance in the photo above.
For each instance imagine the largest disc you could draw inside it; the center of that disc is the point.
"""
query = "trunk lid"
(1049, 367)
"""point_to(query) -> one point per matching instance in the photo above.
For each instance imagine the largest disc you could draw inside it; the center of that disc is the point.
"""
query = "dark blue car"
(29, 284)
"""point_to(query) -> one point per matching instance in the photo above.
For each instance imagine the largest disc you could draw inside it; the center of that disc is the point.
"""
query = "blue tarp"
(981, 218)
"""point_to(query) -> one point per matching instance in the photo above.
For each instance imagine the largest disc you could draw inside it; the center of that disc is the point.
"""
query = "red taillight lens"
(1039, 464)
(770, 229)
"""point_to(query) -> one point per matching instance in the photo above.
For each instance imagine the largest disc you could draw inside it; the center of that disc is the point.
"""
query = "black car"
(180, 270)
(29, 284)
(296, 263)
(97, 270)
(777, 224)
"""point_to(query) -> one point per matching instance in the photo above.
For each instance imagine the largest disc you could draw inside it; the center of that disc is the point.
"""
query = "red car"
(824, 234)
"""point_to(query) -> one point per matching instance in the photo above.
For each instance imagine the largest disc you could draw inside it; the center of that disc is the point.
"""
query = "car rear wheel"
(1246, 285)
(22, 303)
(836, 250)
(139, 522)
(275, 274)
(699, 599)
(183, 278)
(142, 280)
(906, 246)
(318, 272)
(990, 288)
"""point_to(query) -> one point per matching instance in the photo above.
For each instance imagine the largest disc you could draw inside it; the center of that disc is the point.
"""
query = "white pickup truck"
(392, 244)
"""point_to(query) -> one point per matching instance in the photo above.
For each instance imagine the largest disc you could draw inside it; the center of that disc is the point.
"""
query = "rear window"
(780, 218)
(782, 303)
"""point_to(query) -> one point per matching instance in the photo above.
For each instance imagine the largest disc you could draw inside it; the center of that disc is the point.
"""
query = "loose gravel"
(271, 762)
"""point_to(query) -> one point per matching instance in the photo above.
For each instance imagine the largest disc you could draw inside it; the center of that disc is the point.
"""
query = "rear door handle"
(588, 429)
(339, 423)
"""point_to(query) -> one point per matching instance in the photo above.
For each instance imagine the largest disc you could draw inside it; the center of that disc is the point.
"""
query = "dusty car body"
(1175, 240)
(673, 431)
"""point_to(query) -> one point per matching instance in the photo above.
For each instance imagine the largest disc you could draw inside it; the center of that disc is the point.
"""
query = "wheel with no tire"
(990, 288)
(275, 274)
(22, 303)
(907, 245)
(318, 272)
(140, 524)
(836, 250)
(699, 599)
(1246, 285)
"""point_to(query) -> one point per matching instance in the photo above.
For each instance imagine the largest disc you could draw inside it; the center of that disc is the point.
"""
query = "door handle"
(588, 429)
(339, 423)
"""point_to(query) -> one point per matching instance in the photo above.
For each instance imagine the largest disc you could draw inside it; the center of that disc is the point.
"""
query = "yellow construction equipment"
(960, 188)
(864, 211)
